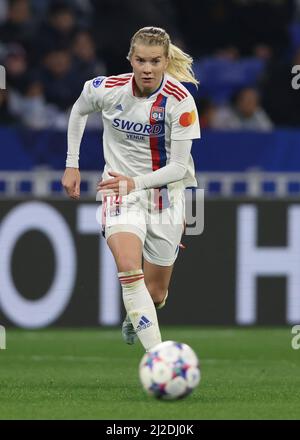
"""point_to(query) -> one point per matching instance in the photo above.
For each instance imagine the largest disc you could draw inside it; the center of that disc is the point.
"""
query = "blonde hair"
(180, 63)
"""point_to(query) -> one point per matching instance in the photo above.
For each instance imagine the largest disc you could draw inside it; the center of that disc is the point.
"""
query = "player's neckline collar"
(146, 97)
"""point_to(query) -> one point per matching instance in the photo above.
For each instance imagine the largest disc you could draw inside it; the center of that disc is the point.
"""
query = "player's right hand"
(71, 182)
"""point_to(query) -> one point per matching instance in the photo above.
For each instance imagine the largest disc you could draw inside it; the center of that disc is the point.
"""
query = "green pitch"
(92, 374)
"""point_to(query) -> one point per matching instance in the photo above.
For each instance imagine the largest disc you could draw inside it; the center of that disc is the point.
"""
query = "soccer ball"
(170, 370)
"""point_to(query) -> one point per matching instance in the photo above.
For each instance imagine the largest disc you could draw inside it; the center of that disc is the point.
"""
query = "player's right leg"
(126, 248)
(129, 260)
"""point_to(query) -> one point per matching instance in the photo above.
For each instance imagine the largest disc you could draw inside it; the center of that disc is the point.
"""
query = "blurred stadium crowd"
(243, 50)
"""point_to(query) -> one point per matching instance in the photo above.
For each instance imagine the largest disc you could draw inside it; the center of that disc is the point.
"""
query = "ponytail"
(180, 65)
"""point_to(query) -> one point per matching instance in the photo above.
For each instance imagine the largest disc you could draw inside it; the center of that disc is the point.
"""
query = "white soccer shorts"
(159, 230)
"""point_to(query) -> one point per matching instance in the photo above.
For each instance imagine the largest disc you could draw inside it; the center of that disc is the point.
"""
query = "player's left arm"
(184, 128)
(175, 170)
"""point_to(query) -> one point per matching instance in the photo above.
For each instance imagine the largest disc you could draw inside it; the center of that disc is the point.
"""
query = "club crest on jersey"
(157, 114)
(97, 81)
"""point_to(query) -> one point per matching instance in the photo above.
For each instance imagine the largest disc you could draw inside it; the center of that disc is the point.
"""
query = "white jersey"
(138, 131)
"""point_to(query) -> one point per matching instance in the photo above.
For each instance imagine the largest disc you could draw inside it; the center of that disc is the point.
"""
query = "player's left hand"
(120, 184)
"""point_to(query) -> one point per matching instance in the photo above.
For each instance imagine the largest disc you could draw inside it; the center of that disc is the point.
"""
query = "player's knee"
(126, 263)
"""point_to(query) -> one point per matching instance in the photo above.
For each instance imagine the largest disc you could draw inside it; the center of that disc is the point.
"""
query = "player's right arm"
(90, 100)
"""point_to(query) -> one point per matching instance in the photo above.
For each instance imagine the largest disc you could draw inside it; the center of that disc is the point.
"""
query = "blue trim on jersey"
(162, 139)
(155, 91)
(164, 201)
(158, 148)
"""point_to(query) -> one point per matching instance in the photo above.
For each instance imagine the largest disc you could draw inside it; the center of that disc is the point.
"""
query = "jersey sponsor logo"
(97, 81)
(157, 113)
(187, 118)
(135, 137)
(137, 127)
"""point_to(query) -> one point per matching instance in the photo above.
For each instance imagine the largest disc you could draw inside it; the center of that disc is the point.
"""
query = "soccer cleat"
(128, 332)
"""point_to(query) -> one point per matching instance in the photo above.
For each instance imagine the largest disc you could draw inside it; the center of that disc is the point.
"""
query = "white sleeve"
(90, 101)
(174, 171)
(185, 120)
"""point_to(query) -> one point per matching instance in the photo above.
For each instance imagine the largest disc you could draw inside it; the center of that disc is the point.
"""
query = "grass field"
(92, 374)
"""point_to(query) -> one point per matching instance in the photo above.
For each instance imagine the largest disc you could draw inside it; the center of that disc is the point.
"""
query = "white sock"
(163, 303)
(140, 307)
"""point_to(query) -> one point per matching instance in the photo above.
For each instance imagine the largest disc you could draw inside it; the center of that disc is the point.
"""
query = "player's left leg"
(157, 280)
(161, 248)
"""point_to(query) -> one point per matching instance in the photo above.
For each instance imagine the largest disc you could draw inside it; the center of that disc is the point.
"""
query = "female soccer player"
(150, 120)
